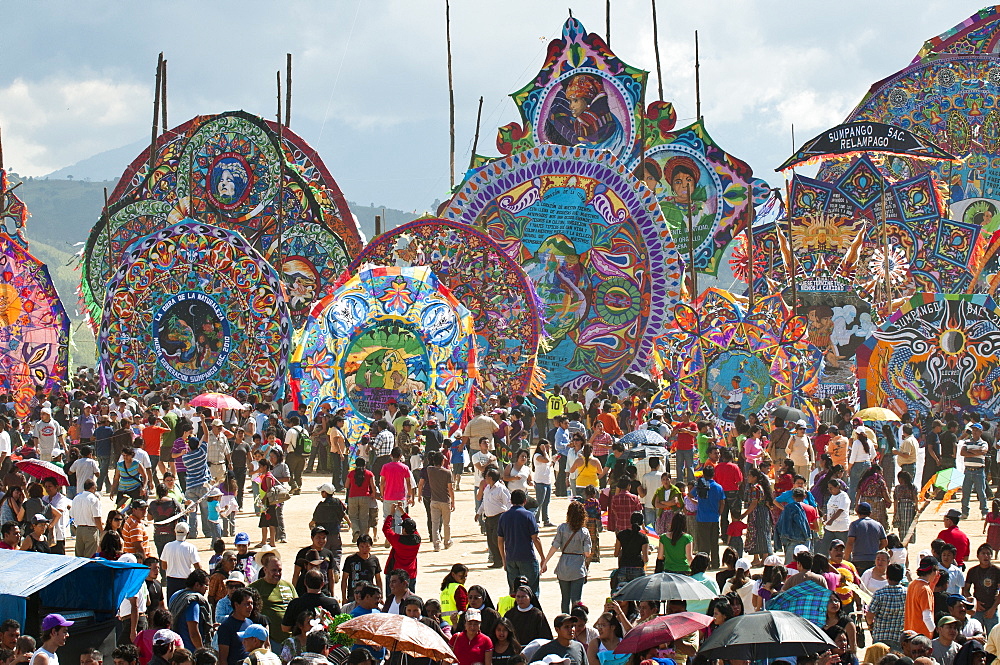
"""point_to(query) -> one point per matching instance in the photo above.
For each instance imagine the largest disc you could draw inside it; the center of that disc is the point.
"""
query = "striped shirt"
(196, 463)
(135, 538)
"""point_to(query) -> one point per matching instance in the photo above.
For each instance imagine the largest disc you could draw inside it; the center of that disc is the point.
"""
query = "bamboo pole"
(791, 248)
(694, 272)
(278, 77)
(281, 180)
(107, 226)
(288, 89)
(656, 52)
(750, 248)
(885, 244)
(163, 98)
(697, 77)
(156, 112)
(607, 22)
(475, 140)
(451, 92)
(1, 152)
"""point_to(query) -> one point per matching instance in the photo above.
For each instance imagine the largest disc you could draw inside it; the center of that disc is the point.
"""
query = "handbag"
(279, 493)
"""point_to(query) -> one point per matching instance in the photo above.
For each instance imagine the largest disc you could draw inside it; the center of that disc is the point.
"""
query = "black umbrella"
(641, 380)
(665, 586)
(789, 414)
(766, 634)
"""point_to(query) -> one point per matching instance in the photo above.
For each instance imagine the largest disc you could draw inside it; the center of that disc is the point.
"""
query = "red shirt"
(404, 551)
(784, 482)
(728, 475)
(469, 653)
(955, 536)
(811, 514)
(5, 546)
(685, 440)
(620, 511)
(819, 444)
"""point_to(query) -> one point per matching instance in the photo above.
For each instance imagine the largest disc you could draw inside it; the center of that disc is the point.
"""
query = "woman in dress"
(282, 474)
(888, 441)
(600, 441)
(268, 522)
(573, 542)
(541, 464)
(872, 488)
(757, 516)
(904, 495)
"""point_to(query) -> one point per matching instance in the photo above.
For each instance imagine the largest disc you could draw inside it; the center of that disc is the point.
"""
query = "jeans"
(160, 541)
(427, 511)
(649, 516)
(440, 521)
(789, 544)
(240, 474)
(857, 470)
(910, 469)
(685, 465)
(543, 495)
(491, 540)
(196, 493)
(572, 592)
(296, 465)
(988, 623)
(526, 569)
(103, 481)
(975, 480)
(828, 538)
(338, 462)
(154, 461)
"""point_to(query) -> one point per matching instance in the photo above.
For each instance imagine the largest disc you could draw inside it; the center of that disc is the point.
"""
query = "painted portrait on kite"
(230, 180)
(739, 383)
(587, 110)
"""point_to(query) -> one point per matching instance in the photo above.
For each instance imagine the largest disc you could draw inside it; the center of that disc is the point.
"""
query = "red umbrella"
(662, 630)
(216, 401)
(41, 470)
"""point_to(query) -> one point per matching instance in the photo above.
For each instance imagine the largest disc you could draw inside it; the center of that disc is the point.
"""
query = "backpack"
(303, 442)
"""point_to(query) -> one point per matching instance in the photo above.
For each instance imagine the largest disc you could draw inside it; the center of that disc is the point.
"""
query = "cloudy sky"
(370, 83)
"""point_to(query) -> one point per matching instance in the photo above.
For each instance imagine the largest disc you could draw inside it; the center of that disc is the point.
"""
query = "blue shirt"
(102, 441)
(516, 527)
(786, 497)
(708, 507)
(867, 534)
(227, 634)
(196, 463)
(562, 441)
(192, 613)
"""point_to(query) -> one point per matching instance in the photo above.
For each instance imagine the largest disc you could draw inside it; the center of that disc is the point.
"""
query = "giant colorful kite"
(225, 170)
(490, 284)
(736, 360)
(385, 334)
(195, 306)
(596, 247)
(34, 327)
(938, 353)
(13, 212)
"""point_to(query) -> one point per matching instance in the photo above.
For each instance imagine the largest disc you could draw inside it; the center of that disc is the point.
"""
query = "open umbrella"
(789, 414)
(877, 414)
(665, 586)
(641, 380)
(216, 401)
(36, 468)
(661, 630)
(765, 634)
(642, 437)
(397, 632)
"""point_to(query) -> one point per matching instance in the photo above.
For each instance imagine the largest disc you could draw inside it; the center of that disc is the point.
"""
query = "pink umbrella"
(216, 401)
(36, 468)
(662, 630)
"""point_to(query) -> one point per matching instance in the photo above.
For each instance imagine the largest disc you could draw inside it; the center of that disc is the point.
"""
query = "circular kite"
(596, 247)
(34, 327)
(937, 353)
(225, 170)
(490, 284)
(195, 306)
(387, 334)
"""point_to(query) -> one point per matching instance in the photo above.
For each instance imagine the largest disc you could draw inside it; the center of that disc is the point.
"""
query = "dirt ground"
(470, 545)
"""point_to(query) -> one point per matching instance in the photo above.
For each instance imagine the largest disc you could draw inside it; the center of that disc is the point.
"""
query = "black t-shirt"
(358, 569)
(239, 455)
(155, 590)
(631, 551)
(309, 601)
(984, 583)
(949, 444)
(303, 559)
(227, 634)
(330, 513)
(432, 439)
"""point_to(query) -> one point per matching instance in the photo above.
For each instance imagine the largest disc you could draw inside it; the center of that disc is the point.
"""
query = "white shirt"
(543, 471)
(651, 481)
(484, 459)
(496, 500)
(86, 509)
(843, 521)
(858, 453)
(872, 584)
(85, 468)
(60, 527)
(180, 556)
(5, 442)
(47, 433)
(520, 477)
(956, 580)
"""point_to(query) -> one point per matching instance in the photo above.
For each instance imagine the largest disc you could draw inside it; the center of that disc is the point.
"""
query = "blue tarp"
(65, 581)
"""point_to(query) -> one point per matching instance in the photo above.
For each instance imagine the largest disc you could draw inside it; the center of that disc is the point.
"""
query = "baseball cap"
(49, 411)
(657, 412)
(326, 487)
(945, 620)
(800, 549)
(319, 528)
(908, 635)
(237, 577)
(39, 519)
(563, 618)
(473, 615)
(864, 508)
(181, 527)
(836, 542)
(254, 630)
(216, 423)
(54, 621)
(927, 564)
(166, 636)
(976, 426)
(139, 503)
(553, 658)
(772, 560)
(241, 539)
(742, 564)
(956, 598)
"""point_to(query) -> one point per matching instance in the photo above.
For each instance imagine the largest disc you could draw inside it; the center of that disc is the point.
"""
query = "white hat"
(742, 564)
(216, 423)
(799, 549)
(267, 549)
(215, 491)
(127, 558)
(181, 528)
(473, 615)
(772, 560)
(47, 410)
(552, 659)
(237, 576)
(326, 487)
(46, 404)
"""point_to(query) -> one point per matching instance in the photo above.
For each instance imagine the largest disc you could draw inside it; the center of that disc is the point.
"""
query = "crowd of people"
(751, 510)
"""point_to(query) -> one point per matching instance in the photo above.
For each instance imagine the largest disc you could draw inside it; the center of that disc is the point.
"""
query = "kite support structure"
(1, 154)
(750, 257)
(697, 77)
(656, 51)
(607, 22)
(885, 250)
(107, 226)
(288, 89)
(281, 176)
(793, 268)
(163, 97)
(475, 140)
(694, 271)
(378, 225)
(451, 90)
(156, 109)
